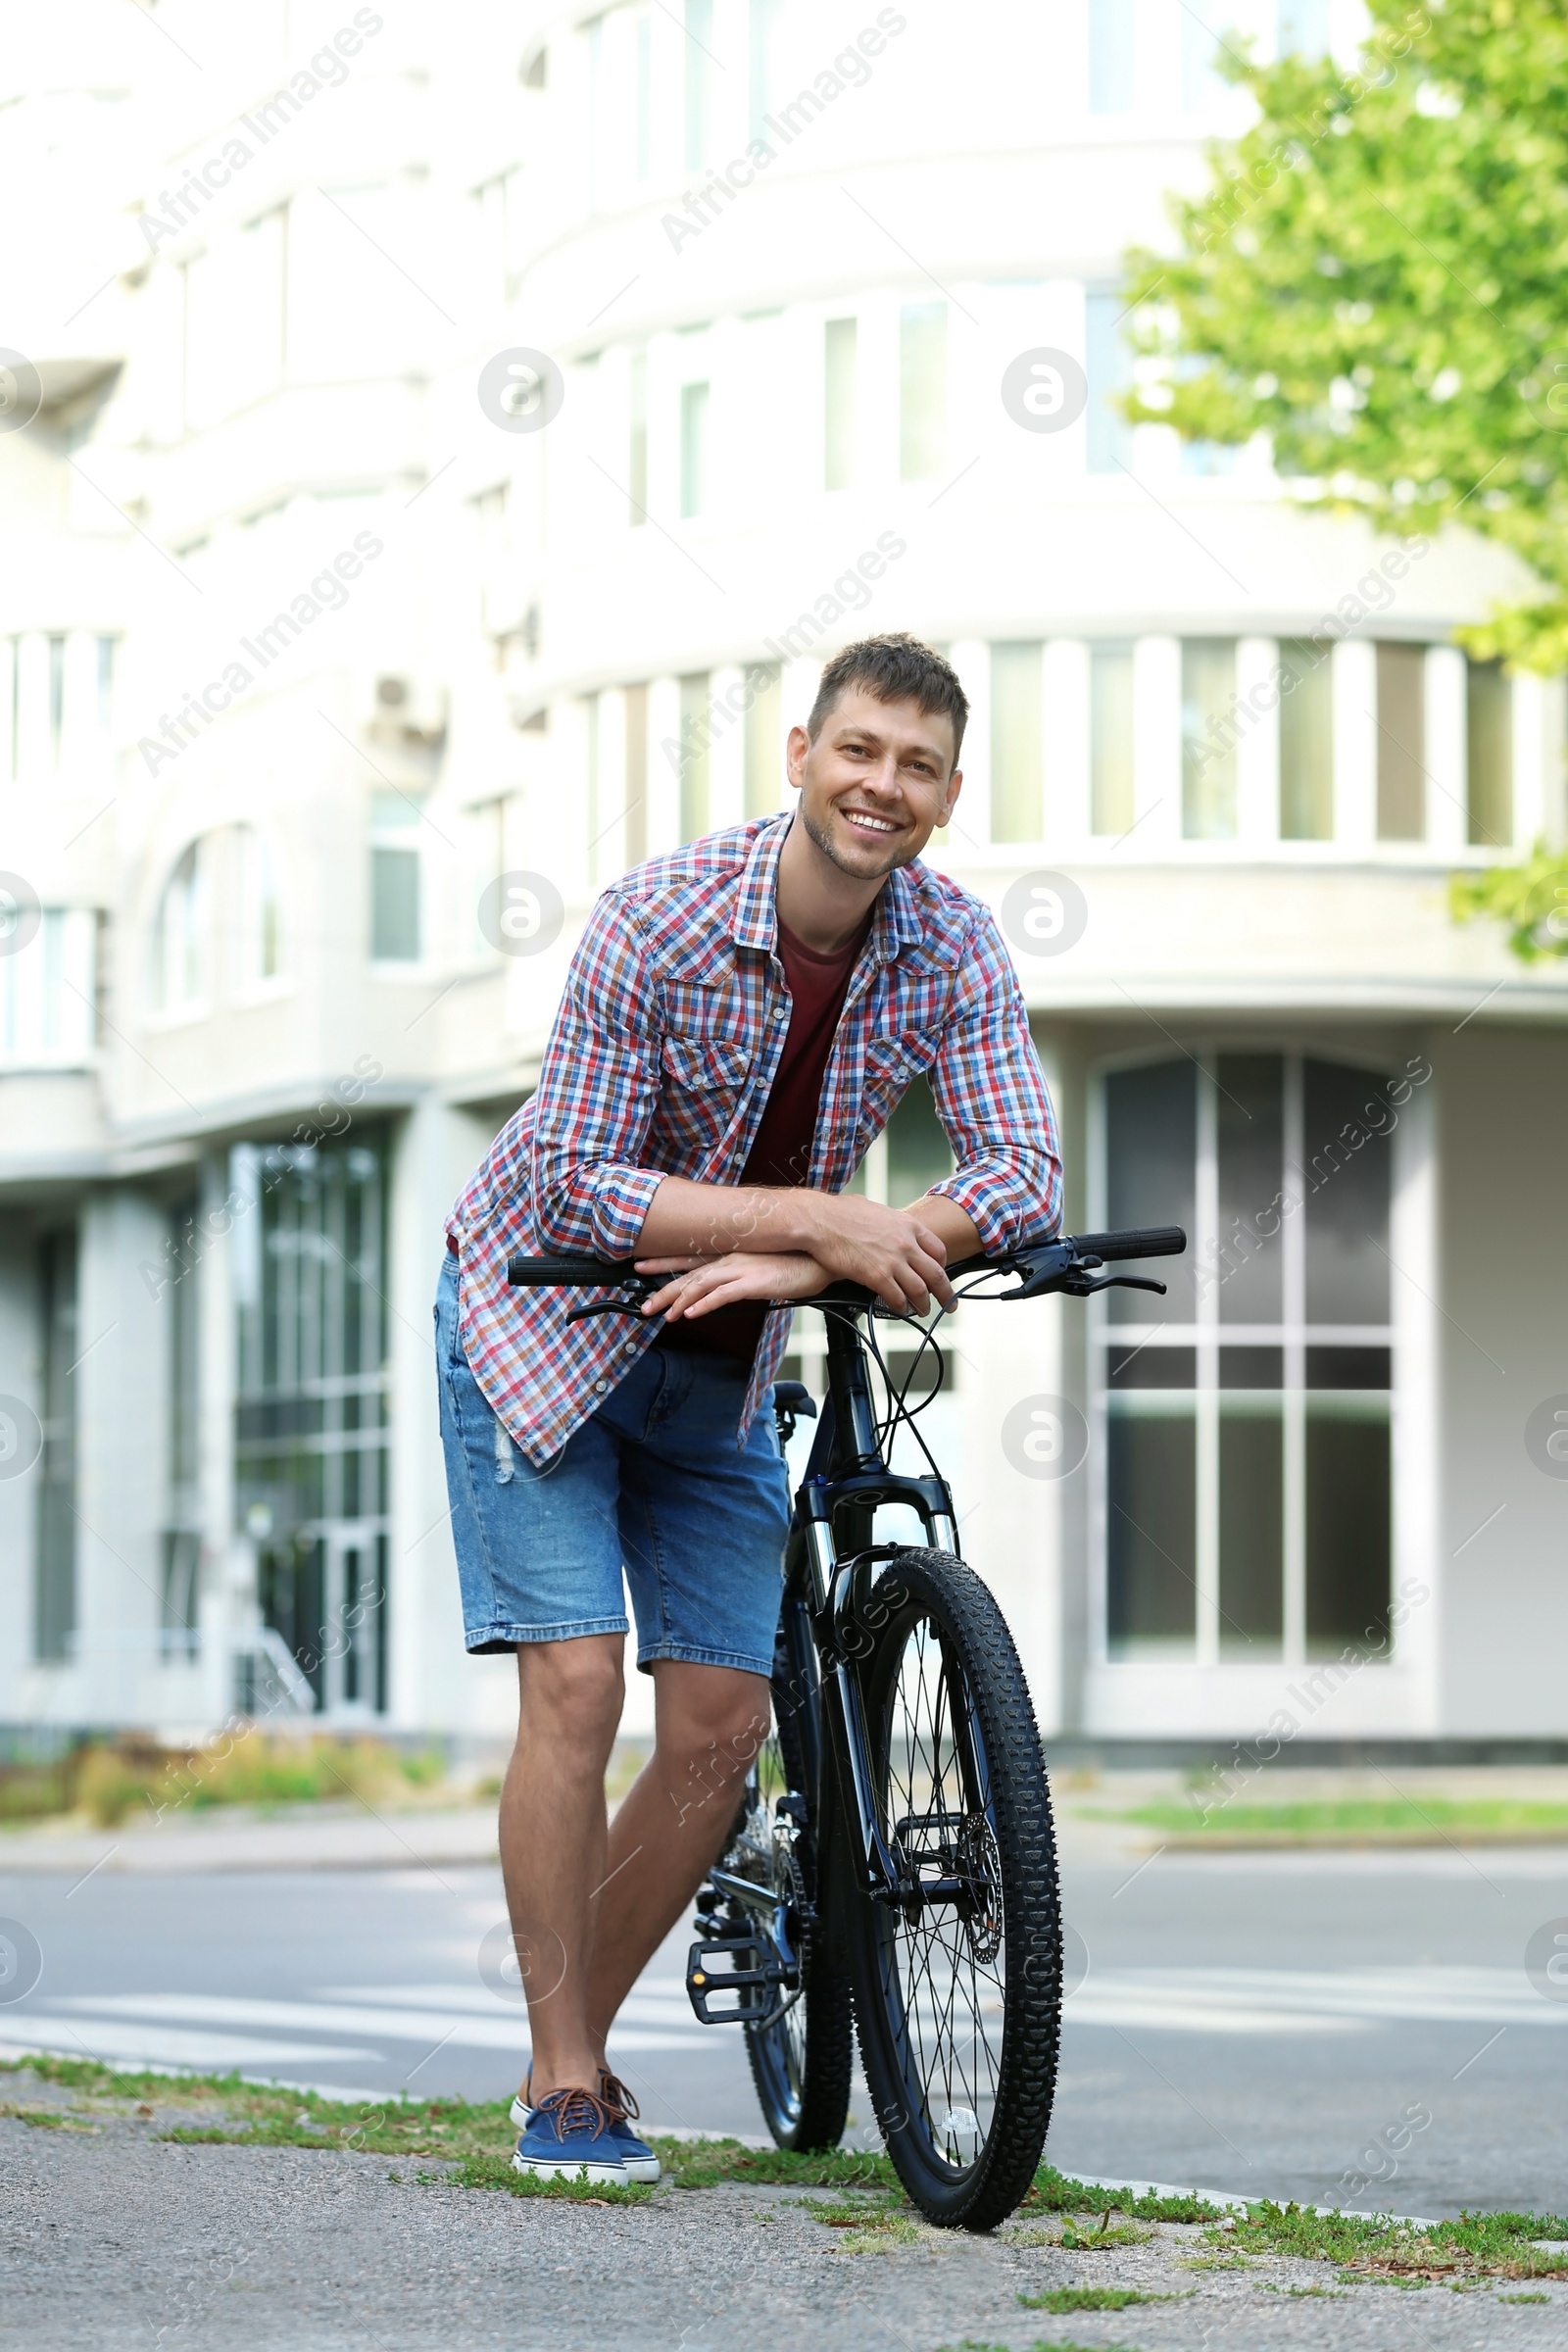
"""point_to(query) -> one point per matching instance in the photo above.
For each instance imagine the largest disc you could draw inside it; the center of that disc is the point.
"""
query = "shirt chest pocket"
(703, 1084)
(892, 1065)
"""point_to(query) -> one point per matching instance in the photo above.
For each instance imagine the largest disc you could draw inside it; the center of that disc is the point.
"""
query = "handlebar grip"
(562, 1273)
(1155, 1240)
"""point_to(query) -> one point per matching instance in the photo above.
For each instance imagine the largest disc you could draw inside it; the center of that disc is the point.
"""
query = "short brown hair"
(896, 668)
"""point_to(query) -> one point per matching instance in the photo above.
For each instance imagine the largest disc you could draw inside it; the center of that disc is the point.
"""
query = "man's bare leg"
(553, 1835)
(710, 1721)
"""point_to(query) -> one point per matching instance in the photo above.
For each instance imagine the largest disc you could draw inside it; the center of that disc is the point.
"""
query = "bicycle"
(893, 1861)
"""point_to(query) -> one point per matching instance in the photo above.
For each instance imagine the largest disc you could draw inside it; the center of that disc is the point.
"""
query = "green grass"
(1350, 1817)
(1524, 2298)
(1090, 2298)
(1056, 2344)
(474, 2140)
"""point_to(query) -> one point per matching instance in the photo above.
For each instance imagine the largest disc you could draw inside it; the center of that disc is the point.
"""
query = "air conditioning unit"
(406, 708)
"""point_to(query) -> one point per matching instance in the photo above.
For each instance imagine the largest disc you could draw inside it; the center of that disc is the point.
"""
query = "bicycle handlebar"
(1061, 1264)
(1147, 1240)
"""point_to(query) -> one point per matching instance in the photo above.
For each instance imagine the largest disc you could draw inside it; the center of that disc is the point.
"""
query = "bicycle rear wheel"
(801, 2061)
(958, 1989)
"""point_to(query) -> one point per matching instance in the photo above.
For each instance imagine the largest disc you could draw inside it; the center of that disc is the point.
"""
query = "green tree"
(1376, 279)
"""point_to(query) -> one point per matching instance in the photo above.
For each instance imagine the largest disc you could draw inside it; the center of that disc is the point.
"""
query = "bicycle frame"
(829, 1565)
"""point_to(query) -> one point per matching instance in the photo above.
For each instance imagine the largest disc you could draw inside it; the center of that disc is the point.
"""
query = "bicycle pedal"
(754, 1990)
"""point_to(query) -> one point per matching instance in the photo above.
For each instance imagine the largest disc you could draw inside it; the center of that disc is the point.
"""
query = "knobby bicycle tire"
(965, 2127)
(801, 2064)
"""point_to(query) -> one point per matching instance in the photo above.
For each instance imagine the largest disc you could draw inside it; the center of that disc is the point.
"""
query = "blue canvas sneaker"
(637, 2156)
(568, 2138)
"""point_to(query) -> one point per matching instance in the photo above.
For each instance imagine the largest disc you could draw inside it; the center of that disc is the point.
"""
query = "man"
(739, 1021)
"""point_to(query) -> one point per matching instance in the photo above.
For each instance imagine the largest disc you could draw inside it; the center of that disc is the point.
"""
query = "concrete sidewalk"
(316, 1837)
(110, 2236)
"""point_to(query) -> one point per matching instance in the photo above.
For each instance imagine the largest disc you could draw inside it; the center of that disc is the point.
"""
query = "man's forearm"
(952, 1223)
(711, 1220)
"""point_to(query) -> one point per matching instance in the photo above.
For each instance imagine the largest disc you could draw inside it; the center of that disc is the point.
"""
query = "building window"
(765, 744)
(260, 908)
(1111, 56)
(1401, 743)
(643, 34)
(105, 682)
(637, 438)
(693, 758)
(1247, 1417)
(1301, 29)
(636, 822)
(698, 62)
(57, 698)
(1109, 444)
(182, 1526)
(311, 1405)
(1111, 738)
(1306, 740)
(1208, 738)
(1201, 83)
(179, 934)
(839, 418)
(922, 390)
(48, 989)
(764, 24)
(395, 879)
(1489, 732)
(1017, 751)
(54, 1612)
(693, 449)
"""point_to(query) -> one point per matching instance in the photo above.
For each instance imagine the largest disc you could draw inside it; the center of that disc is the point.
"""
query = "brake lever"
(1051, 1269)
(1077, 1286)
(643, 1290)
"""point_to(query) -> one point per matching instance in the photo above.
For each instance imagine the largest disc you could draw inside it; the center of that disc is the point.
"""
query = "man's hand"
(699, 1287)
(898, 1253)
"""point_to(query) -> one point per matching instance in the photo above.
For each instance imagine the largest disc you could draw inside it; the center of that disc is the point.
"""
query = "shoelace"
(618, 2096)
(575, 2111)
(613, 2090)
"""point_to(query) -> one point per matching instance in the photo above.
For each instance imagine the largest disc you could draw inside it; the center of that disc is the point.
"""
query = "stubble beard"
(818, 834)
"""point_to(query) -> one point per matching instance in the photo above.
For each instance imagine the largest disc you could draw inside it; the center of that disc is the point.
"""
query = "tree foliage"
(1376, 279)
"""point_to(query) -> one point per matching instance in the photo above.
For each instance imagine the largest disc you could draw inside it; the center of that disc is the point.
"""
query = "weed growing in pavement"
(1056, 2344)
(1091, 2298)
(871, 2225)
(1075, 2241)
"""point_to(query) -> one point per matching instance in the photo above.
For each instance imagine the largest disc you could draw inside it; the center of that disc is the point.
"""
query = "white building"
(313, 631)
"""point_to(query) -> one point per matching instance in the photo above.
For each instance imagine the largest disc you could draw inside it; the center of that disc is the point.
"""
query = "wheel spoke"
(949, 2001)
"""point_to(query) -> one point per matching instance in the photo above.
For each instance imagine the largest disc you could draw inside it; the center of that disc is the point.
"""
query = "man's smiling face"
(876, 783)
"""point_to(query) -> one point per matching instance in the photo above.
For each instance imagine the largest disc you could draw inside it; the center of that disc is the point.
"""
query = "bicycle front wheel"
(958, 1988)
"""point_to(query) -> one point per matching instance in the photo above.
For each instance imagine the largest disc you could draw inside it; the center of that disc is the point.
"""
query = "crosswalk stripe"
(498, 2032)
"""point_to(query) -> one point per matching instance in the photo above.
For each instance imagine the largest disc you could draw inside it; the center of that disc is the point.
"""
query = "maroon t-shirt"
(781, 1152)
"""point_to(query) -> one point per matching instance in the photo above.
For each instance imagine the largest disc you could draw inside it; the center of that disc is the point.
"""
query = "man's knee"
(713, 1712)
(580, 1683)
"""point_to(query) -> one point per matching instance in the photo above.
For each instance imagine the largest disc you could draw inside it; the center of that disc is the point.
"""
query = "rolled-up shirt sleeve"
(991, 1100)
(596, 1093)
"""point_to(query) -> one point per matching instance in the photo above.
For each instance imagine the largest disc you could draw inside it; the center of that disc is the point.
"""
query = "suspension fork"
(846, 1766)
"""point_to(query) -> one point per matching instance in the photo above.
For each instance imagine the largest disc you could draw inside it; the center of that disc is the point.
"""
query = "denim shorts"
(651, 1484)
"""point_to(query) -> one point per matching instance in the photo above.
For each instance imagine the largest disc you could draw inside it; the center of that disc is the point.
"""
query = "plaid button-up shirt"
(659, 1063)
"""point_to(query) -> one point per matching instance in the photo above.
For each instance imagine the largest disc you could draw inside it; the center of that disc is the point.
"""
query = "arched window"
(179, 944)
(261, 914)
(1247, 1416)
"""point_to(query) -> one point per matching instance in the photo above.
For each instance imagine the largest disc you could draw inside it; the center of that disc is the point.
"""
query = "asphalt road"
(1252, 2022)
